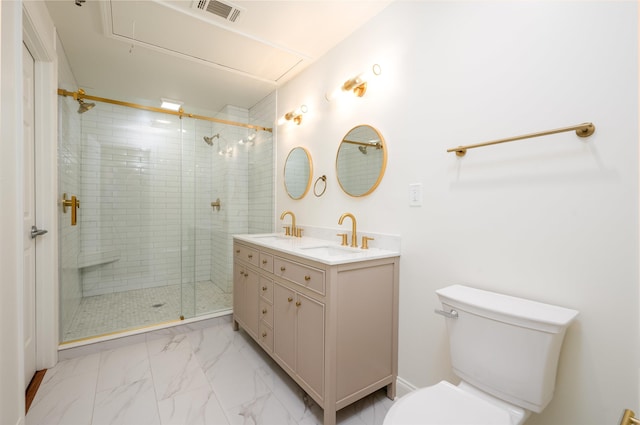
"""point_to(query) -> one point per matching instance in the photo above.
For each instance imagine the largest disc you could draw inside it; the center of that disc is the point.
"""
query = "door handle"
(74, 204)
(35, 232)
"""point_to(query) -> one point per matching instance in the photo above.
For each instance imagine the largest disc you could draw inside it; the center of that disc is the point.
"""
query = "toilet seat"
(446, 404)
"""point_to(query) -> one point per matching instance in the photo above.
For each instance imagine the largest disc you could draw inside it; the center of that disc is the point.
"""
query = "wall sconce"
(357, 84)
(295, 115)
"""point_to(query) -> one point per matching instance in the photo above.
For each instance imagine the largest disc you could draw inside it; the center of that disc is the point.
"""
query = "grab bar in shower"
(583, 130)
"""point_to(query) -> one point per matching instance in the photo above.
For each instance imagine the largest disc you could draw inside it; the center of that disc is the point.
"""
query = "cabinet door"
(246, 298)
(310, 342)
(284, 325)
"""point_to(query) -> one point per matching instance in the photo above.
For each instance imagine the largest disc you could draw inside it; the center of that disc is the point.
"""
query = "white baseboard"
(404, 387)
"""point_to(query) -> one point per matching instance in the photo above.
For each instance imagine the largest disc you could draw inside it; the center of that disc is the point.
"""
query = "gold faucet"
(354, 237)
(293, 222)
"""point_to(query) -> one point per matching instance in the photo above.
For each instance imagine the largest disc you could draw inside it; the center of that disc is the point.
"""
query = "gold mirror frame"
(357, 144)
(294, 167)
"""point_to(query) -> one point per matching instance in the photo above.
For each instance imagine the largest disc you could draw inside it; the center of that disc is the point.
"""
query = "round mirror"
(297, 173)
(361, 160)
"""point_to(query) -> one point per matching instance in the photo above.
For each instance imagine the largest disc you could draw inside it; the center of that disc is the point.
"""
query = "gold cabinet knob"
(264, 261)
(237, 251)
(307, 278)
(246, 275)
(289, 299)
(264, 311)
(298, 303)
(282, 268)
(264, 334)
(250, 256)
(264, 288)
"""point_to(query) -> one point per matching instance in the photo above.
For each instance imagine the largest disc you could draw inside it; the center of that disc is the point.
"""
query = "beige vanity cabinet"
(332, 327)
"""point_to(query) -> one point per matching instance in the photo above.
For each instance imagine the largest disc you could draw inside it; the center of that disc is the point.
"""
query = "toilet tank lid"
(506, 308)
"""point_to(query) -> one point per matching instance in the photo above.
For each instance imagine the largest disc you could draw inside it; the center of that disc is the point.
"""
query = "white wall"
(11, 236)
(553, 219)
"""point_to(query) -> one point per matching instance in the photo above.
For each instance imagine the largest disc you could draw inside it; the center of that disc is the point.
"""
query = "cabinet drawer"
(266, 312)
(266, 262)
(266, 289)
(266, 336)
(247, 254)
(299, 273)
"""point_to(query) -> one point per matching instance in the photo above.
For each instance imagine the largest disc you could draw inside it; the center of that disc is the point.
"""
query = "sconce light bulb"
(295, 115)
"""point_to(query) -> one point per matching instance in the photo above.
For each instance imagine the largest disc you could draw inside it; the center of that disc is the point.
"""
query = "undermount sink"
(330, 251)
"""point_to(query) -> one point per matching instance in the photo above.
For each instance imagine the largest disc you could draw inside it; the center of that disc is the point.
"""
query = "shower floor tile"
(120, 311)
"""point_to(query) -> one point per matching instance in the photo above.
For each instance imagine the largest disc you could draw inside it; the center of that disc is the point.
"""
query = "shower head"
(84, 107)
(363, 149)
(209, 140)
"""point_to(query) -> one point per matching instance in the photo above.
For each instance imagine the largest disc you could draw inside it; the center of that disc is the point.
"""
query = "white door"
(29, 218)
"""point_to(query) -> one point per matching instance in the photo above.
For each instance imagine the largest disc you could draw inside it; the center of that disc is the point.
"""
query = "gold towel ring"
(322, 178)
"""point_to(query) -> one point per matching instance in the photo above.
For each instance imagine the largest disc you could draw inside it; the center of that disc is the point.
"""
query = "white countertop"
(321, 250)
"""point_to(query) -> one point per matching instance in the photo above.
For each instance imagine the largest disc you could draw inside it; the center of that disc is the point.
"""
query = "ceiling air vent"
(225, 10)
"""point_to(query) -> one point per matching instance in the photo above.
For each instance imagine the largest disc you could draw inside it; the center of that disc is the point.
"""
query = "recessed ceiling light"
(173, 105)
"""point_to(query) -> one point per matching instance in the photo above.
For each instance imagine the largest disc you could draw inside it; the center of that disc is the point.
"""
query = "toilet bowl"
(504, 349)
(447, 404)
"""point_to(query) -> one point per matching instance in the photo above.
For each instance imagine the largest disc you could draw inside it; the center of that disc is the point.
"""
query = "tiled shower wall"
(261, 168)
(148, 181)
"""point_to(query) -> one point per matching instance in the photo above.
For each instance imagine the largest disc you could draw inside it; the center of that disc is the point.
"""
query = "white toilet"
(504, 349)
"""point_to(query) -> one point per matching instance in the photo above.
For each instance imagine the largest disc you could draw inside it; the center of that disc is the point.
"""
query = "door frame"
(39, 36)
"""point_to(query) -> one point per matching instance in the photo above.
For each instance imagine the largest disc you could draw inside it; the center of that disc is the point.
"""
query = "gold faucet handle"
(299, 231)
(343, 238)
(287, 230)
(365, 242)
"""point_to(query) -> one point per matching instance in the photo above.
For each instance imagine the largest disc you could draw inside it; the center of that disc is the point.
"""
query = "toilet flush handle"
(450, 314)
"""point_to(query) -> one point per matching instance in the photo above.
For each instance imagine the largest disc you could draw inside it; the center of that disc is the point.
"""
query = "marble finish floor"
(210, 376)
(120, 311)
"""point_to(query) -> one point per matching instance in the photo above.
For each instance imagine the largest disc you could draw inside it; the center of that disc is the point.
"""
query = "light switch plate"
(415, 194)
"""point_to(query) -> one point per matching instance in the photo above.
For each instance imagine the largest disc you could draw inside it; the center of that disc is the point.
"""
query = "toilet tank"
(505, 346)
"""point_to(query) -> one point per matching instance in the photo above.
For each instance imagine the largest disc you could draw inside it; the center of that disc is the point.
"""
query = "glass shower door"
(122, 264)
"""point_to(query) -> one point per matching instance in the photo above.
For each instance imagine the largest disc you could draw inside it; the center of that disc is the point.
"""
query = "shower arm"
(81, 94)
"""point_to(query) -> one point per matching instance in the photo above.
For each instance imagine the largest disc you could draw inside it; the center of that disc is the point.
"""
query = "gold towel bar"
(628, 418)
(583, 130)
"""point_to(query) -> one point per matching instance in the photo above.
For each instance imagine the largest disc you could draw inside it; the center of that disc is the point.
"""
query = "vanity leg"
(236, 326)
(329, 416)
(391, 390)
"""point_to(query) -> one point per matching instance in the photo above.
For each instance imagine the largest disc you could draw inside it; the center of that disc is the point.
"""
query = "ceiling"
(234, 53)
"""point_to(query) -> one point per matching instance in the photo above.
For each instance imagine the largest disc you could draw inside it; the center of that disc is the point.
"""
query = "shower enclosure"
(159, 198)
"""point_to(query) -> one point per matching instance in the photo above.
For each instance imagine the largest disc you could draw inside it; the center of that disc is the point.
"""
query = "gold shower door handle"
(74, 204)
